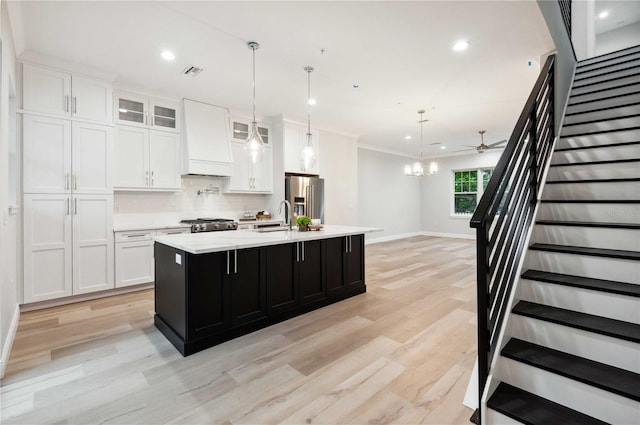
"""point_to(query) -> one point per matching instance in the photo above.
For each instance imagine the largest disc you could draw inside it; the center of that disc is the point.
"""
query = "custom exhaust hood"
(206, 140)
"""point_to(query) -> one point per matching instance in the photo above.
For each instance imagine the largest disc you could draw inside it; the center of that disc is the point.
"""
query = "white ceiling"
(621, 13)
(399, 53)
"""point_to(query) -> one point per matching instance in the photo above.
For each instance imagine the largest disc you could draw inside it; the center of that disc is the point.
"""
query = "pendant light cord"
(253, 49)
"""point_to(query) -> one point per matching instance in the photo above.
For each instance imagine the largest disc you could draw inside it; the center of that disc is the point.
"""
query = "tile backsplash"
(187, 203)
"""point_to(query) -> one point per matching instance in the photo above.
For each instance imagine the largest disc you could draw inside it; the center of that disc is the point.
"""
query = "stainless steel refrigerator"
(306, 195)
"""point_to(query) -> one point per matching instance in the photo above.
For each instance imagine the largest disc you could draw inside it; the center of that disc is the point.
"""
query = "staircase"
(571, 350)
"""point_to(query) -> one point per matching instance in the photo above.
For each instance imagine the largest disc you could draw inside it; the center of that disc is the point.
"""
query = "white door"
(92, 99)
(47, 155)
(240, 181)
(164, 154)
(47, 247)
(92, 152)
(134, 263)
(164, 115)
(46, 90)
(131, 157)
(293, 137)
(93, 265)
(263, 173)
(130, 109)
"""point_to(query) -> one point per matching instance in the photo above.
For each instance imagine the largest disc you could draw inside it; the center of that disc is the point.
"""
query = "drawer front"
(174, 231)
(133, 236)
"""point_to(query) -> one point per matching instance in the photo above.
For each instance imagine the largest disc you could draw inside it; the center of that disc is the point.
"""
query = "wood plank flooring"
(402, 353)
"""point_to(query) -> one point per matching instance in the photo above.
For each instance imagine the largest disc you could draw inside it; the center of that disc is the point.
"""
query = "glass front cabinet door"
(140, 111)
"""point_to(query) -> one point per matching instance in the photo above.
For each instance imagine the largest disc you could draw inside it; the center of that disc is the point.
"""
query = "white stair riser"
(605, 153)
(601, 126)
(581, 69)
(591, 237)
(594, 171)
(606, 89)
(598, 303)
(604, 103)
(600, 77)
(575, 395)
(496, 418)
(609, 59)
(599, 139)
(602, 115)
(593, 191)
(612, 66)
(607, 213)
(585, 265)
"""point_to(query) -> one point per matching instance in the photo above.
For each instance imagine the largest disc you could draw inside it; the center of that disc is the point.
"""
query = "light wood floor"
(401, 353)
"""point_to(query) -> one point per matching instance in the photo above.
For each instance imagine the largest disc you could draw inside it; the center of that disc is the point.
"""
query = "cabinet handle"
(302, 243)
(75, 105)
(67, 181)
(66, 103)
(152, 179)
(75, 201)
(350, 244)
(135, 236)
(297, 252)
(174, 233)
(75, 182)
(227, 262)
(68, 206)
(346, 244)
(235, 261)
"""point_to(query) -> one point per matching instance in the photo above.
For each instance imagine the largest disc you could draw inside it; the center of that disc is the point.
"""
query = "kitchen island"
(213, 287)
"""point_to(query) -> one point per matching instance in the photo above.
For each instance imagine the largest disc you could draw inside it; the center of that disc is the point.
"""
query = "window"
(468, 186)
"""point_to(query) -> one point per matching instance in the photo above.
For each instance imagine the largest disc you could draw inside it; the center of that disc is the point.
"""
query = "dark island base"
(191, 347)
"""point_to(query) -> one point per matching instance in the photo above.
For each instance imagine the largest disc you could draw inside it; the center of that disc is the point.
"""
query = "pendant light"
(308, 154)
(254, 145)
(417, 169)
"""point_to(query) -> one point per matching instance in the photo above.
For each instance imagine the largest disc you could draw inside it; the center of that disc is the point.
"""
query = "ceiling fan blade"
(493, 145)
(470, 146)
(466, 150)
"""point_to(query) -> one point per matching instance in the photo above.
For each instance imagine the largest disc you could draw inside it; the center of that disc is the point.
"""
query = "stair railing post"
(482, 290)
(533, 140)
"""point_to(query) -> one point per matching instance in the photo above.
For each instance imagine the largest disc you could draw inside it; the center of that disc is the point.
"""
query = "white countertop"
(202, 243)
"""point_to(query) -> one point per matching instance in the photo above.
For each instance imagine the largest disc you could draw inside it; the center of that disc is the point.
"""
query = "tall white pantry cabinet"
(67, 184)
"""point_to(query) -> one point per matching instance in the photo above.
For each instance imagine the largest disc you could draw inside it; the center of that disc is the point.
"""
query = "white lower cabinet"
(249, 176)
(68, 249)
(134, 255)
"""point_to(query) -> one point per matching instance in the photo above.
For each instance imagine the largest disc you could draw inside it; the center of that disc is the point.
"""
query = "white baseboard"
(391, 237)
(449, 235)
(8, 343)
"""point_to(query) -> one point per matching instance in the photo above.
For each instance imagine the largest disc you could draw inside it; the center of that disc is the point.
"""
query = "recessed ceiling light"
(311, 101)
(443, 147)
(460, 46)
(356, 85)
(603, 14)
(407, 137)
(167, 55)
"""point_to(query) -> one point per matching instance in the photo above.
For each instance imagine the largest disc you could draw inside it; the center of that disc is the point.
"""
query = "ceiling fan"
(481, 148)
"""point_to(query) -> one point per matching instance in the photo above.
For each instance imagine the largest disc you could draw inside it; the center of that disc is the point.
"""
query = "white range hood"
(206, 139)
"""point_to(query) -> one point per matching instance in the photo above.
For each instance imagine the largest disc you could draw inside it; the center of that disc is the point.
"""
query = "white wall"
(619, 38)
(583, 28)
(9, 309)
(338, 158)
(437, 194)
(386, 197)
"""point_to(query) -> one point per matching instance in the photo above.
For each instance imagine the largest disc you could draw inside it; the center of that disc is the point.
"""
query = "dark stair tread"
(603, 146)
(582, 250)
(608, 130)
(627, 51)
(601, 285)
(608, 161)
(621, 117)
(599, 375)
(621, 86)
(619, 180)
(584, 84)
(582, 102)
(588, 224)
(574, 319)
(626, 60)
(532, 409)
(590, 201)
(606, 108)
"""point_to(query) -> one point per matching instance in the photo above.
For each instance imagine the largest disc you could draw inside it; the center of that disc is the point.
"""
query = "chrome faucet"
(288, 218)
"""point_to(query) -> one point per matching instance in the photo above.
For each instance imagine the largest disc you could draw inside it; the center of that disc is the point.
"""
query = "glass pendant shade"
(416, 169)
(433, 168)
(308, 155)
(254, 145)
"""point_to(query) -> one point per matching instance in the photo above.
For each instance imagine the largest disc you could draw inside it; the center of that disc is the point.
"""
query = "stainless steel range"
(210, 224)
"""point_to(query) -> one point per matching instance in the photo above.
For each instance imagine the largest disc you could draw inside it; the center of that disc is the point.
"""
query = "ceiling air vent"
(192, 70)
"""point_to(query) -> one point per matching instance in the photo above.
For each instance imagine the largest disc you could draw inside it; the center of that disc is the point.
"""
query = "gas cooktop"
(210, 224)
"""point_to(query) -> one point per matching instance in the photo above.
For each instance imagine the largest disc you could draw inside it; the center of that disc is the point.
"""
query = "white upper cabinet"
(295, 137)
(61, 93)
(65, 157)
(146, 160)
(141, 111)
(249, 176)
